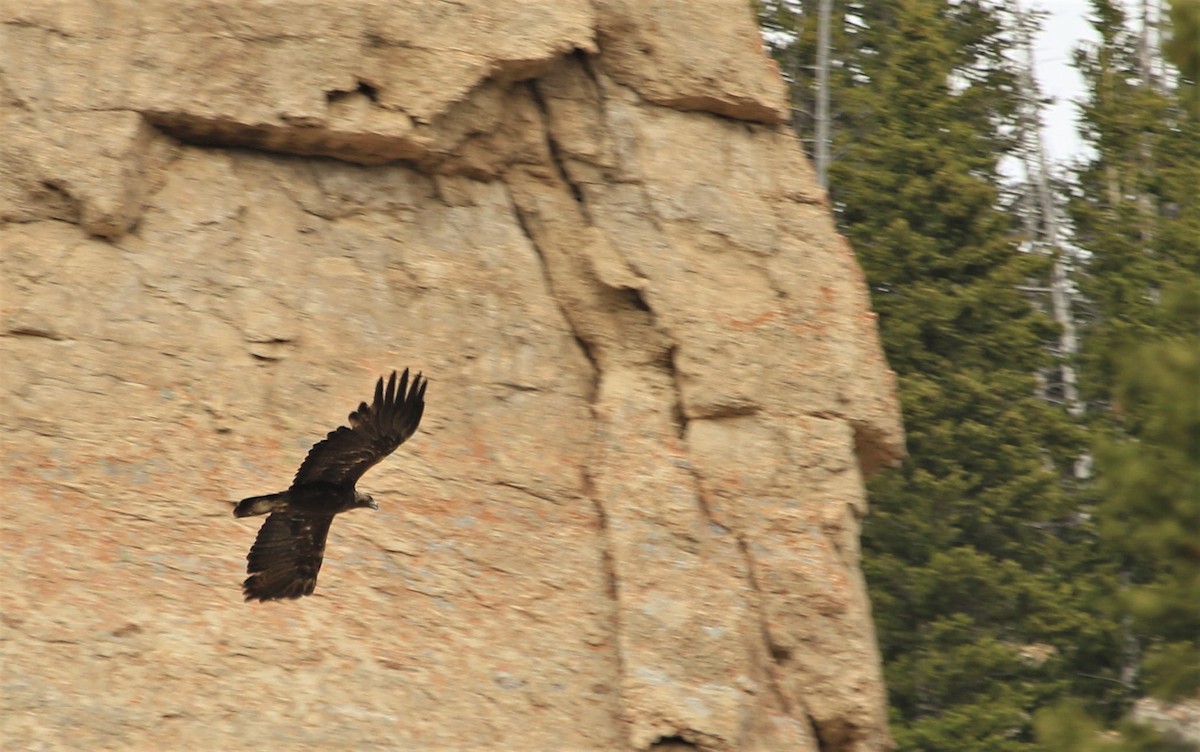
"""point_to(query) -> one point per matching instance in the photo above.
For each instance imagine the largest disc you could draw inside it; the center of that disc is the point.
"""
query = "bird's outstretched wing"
(286, 556)
(375, 431)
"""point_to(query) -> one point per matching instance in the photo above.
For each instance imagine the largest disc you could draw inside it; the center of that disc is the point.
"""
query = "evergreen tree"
(1134, 206)
(1184, 49)
(1151, 482)
(1136, 210)
(978, 563)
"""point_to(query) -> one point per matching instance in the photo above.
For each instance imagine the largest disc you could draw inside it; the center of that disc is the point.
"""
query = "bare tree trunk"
(821, 147)
(1146, 45)
(1147, 54)
(1048, 235)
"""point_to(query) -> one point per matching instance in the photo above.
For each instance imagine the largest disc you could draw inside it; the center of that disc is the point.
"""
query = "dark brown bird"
(287, 554)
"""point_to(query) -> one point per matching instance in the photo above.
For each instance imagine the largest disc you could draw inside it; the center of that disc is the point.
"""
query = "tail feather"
(261, 504)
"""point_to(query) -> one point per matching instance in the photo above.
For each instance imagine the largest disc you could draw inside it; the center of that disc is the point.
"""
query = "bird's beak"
(373, 505)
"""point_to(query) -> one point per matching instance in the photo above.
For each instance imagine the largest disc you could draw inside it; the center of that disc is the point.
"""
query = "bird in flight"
(286, 556)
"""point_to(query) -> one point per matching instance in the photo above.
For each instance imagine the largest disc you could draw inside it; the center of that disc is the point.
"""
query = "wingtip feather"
(402, 388)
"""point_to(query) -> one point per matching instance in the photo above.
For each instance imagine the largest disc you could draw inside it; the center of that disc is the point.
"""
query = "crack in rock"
(608, 560)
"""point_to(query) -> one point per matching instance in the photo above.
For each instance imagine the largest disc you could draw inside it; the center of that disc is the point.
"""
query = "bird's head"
(364, 500)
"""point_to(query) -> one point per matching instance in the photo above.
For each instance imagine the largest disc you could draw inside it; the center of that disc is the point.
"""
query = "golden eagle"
(286, 556)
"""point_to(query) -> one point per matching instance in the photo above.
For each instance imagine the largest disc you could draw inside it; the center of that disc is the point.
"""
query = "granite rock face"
(630, 518)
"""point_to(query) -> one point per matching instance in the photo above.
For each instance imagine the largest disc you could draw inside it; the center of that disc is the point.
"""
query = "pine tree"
(1137, 212)
(976, 557)
(1184, 49)
(1151, 483)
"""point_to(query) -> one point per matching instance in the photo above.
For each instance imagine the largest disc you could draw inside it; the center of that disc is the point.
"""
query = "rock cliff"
(630, 519)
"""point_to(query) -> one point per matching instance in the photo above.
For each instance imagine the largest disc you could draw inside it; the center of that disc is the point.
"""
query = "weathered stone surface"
(631, 515)
(1178, 720)
(652, 48)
